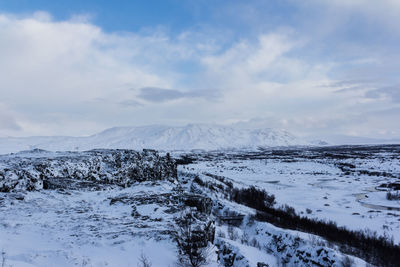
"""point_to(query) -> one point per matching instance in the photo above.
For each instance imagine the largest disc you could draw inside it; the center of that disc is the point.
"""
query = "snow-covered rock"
(37, 169)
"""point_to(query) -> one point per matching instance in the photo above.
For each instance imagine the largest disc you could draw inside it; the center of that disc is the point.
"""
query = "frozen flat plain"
(342, 184)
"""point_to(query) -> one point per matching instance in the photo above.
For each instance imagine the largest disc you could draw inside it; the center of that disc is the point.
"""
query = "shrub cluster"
(210, 185)
(379, 250)
(185, 160)
(252, 197)
(393, 196)
(221, 179)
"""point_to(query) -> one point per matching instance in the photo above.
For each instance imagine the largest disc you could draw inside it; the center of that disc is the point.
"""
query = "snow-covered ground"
(87, 228)
(112, 225)
(82, 228)
(318, 185)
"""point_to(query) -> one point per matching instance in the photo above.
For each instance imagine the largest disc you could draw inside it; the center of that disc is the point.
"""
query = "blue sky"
(177, 15)
(311, 67)
(111, 15)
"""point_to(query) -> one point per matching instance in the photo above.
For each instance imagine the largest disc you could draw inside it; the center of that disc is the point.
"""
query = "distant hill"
(192, 136)
(355, 140)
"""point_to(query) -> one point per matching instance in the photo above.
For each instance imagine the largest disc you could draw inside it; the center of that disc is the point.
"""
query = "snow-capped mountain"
(192, 136)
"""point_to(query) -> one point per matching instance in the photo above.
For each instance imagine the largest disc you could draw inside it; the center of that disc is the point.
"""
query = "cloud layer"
(72, 78)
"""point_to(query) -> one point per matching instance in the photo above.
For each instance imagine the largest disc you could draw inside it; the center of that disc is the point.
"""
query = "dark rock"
(88, 170)
(202, 203)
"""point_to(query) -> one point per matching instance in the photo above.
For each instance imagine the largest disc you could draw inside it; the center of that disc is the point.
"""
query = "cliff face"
(38, 169)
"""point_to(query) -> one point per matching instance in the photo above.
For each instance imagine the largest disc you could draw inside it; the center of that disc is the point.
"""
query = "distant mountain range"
(355, 140)
(189, 137)
(192, 136)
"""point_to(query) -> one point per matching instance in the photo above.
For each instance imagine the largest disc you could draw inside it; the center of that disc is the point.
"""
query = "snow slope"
(192, 136)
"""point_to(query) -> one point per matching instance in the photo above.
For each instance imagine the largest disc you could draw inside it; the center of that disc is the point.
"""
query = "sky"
(311, 67)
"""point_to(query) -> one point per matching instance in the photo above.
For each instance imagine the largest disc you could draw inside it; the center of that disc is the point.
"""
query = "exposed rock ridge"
(36, 170)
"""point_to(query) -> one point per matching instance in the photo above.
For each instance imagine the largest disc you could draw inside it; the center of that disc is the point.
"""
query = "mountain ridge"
(161, 137)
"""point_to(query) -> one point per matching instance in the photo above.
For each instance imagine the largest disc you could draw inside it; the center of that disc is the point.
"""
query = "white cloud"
(53, 69)
(249, 60)
(70, 77)
(383, 13)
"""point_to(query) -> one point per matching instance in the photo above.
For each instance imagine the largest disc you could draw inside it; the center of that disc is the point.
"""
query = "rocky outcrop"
(35, 170)
(229, 255)
(201, 203)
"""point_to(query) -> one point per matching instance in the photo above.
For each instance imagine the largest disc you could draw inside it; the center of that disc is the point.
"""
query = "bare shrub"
(250, 220)
(192, 243)
(347, 262)
(393, 196)
(144, 261)
(244, 239)
(232, 233)
(221, 234)
(316, 241)
(254, 243)
(3, 258)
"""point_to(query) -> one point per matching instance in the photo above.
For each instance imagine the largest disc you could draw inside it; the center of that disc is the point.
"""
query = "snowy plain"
(318, 185)
(113, 226)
